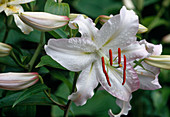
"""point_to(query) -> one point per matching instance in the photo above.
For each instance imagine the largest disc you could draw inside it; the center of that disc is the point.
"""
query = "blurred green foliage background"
(154, 14)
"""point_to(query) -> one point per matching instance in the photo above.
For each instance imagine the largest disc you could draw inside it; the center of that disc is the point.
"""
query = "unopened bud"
(104, 18)
(129, 4)
(73, 16)
(166, 39)
(43, 21)
(142, 29)
(4, 49)
(17, 81)
(162, 61)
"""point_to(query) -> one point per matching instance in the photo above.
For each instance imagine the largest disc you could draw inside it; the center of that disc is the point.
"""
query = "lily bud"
(142, 29)
(17, 81)
(166, 39)
(43, 21)
(129, 4)
(4, 49)
(104, 18)
(162, 61)
(73, 16)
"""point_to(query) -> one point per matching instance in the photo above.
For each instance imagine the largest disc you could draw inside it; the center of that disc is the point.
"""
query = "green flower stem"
(48, 95)
(16, 60)
(38, 50)
(73, 90)
(160, 13)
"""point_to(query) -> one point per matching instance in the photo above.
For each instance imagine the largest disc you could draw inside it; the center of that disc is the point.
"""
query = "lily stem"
(37, 51)
(69, 101)
(16, 60)
(49, 96)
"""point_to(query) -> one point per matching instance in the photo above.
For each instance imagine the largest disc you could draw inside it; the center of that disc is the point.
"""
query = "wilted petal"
(86, 27)
(16, 2)
(13, 9)
(151, 48)
(24, 27)
(85, 85)
(75, 54)
(120, 31)
(43, 21)
(148, 77)
(125, 107)
(116, 89)
(17, 81)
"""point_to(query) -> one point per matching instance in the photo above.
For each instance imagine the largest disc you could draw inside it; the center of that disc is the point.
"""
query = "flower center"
(111, 64)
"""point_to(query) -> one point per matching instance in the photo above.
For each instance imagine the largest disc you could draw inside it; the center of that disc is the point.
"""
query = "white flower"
(4, 49)
(17, 81)
(148, 74)
(89, 54)
(12, 6)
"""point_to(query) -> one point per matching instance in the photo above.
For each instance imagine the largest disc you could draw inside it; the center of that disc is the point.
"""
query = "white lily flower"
(4, 49)
(17, 81)
(43, 21)
(89, 54)
(12, 6)
(148, 75)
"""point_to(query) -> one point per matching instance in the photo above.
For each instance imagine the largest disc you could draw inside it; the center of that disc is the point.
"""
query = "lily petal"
(119, 31)
(2, 7)
(24, 27)
(135, 51)
(13, 9)
(149, 77)
(125, 107)
(75, 54)
(86, 27)
(116, 89)
(86, 83)
(151, 48)
(16, 2)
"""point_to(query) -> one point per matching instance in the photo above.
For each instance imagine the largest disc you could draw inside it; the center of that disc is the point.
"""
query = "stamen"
(119, 57)
(104, 71)
(111, 57)
(124, 71)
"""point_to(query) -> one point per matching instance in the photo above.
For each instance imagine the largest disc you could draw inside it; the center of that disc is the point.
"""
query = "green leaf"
(57, 8)
(94, 8)
(58, 33)
(48, 61)
(20, 111)
(7, 60)
(58, 75)
(148, 20)
(29, 92)
(2, 27)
